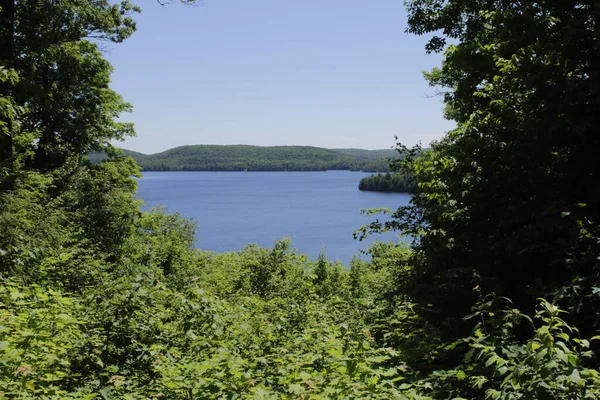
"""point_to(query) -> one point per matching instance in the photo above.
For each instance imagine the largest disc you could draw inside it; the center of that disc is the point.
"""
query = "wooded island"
(388, 182)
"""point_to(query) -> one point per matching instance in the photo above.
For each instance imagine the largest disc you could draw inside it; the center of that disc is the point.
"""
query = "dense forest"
(257, 158)
(388, 182)
(497, 296)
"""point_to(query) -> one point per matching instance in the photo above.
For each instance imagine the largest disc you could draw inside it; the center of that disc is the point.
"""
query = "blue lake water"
(316, 210)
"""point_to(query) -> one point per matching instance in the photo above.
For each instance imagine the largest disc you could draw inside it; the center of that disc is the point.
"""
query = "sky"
(326, 73)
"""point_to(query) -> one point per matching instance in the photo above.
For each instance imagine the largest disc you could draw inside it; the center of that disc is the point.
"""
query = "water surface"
(232, 209)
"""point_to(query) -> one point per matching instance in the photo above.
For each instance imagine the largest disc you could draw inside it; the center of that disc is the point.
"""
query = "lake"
(316, 210)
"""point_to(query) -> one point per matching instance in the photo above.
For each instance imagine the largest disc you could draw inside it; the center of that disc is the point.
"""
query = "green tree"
(63, 78)
(509, 201)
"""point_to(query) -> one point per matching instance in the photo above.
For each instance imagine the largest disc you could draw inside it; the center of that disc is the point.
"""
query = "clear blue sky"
(326, 73)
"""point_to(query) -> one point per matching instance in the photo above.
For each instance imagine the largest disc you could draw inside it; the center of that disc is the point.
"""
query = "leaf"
(30, 385)
(295, 389)
(574, 377)
(573, 359)
(492, 359)
(304, 375)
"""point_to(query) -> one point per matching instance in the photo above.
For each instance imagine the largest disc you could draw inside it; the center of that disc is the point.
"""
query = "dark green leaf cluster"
(507, 205)
(508, 201)
(389, 182)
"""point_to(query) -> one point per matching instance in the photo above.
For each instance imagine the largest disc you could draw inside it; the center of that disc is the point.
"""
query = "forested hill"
(257, 158)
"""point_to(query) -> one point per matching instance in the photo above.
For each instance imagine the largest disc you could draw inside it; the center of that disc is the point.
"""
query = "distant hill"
(136, 155)
(257, 158)
(363, 154)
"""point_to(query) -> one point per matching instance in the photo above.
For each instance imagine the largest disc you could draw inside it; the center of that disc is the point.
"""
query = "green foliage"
(548, 365)
(40, 332)
(162, 240)
(507, 202)
(135, 334)
(503, 197)
(62, 78)
(99, 300)
(62, 236)
(14, 142)
(389, 182)
(255, 158)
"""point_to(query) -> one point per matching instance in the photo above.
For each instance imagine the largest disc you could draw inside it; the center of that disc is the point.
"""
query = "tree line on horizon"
(259, 158)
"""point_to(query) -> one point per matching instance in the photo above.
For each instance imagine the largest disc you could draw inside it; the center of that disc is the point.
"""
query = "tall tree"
(64, 78)
(509, 201)
(56, 106)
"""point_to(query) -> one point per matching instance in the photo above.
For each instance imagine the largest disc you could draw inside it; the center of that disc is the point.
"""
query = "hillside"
(363, 154)
(257, 158)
